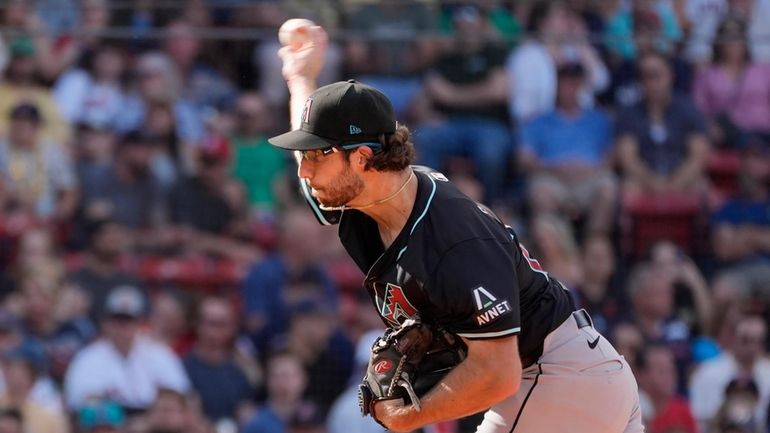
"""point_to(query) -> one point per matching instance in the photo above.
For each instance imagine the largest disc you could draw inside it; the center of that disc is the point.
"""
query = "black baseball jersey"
(457, 265)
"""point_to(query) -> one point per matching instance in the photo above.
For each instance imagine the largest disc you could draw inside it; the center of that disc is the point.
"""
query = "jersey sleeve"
(476, 290)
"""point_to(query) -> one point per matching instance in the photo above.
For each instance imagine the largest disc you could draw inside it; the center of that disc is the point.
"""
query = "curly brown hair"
(397, 152)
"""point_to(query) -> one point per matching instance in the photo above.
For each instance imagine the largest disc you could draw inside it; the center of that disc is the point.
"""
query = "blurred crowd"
(160, 274)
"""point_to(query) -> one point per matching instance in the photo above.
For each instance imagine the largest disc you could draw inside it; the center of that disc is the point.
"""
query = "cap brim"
(300, 140)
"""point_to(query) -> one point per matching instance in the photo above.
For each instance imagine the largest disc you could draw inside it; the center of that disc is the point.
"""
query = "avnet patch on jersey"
(488, 306)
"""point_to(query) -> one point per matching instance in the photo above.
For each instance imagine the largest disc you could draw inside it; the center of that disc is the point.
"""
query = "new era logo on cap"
(340, 113)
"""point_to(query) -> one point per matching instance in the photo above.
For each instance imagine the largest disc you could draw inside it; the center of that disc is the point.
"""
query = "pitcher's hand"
(305, 63)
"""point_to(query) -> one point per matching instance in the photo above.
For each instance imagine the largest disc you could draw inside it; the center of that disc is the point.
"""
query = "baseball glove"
(407, 362)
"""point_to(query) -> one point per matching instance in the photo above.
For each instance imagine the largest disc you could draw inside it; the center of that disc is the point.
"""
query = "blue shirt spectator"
(556, 138)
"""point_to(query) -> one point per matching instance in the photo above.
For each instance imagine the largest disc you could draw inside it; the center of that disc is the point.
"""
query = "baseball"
(295, 33)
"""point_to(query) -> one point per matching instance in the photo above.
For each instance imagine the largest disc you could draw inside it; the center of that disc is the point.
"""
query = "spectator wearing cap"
(38, 175)
(101, 416)
(666, 411)
(106, 243)
(734, 91)
(662, 142)
(745, 357)
(20, 85)
(206, 201)
(127, 191)
(123, 364)
(464, 105)
(567, 155)
(255, 163)
(622, 26)
(210, 209)
(21, 368)
(212, 364)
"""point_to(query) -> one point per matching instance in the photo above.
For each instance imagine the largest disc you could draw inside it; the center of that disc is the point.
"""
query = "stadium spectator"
(621, 27)
(626, 88)
(567, 155)
(38, 174)
(209, 201)
(123, 364)
(734, 91)
(286, 380)
(736, 415)
(212, 366)
(173, 412)
(629, 341)
(746, 357)
(158, 104)
(127, 191)
(94, 93)
(172, 312)
(41, 294)
(658, 381)
(463, 99)
(600, 291)
(651, 290)
(284, 277)
(556, 36)
(701, 21)
(326, 352)
(202, 85)
(21, 367)
(662, 141)
(344, 415)
(390, 47)
(20, 86)
(107, 243)
(741, 226)
(756, 13)
(554, 245)
(255, 163)
(499, 21)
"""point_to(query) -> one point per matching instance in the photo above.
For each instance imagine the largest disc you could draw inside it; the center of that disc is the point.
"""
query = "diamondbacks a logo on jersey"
(306, 110)
(488, 306)
(395, 306)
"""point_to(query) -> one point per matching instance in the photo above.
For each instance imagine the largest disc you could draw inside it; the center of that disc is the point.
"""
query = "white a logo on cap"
(354, 130)
(306, 110)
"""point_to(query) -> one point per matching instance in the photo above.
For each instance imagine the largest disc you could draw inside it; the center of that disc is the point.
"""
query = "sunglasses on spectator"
(316, 155)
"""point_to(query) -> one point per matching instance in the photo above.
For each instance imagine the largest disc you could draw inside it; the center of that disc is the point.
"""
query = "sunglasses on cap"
(316, 155)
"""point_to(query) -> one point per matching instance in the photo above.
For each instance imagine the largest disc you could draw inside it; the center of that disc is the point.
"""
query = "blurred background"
(160, 274)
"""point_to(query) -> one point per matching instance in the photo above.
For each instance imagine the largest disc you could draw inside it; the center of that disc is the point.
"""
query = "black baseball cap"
(340, 113)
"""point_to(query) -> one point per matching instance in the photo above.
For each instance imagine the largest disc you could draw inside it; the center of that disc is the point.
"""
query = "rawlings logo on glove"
(406, 363)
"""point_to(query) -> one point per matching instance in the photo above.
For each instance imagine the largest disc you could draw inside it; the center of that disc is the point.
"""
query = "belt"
(581, 318)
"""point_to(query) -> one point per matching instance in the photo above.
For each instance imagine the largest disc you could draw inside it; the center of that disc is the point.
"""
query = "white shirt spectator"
(100, 371)
(709, 380)
(532, 73)
(81, 99)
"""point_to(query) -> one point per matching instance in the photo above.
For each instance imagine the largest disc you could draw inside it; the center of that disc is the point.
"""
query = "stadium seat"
(723, 167)
(648, 218)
